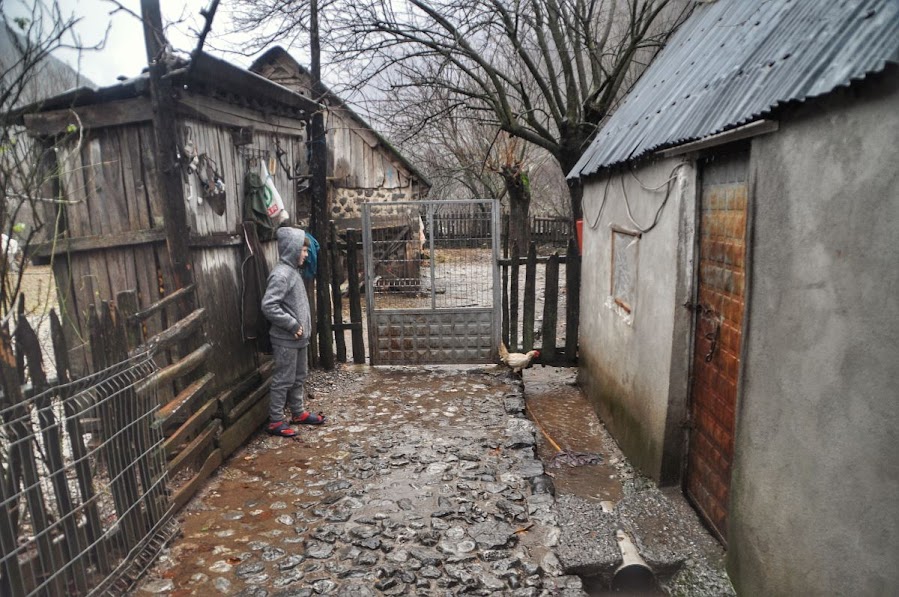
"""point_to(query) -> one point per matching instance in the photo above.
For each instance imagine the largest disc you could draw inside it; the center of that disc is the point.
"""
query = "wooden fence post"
(93, 528)
(513, 298)
(102, 351)
(550, 308)
(22, 446)
(12, 582)
(352, 267)
(127, 303)
(339, 332)
(573, 300)
(530, 298)
(29, 345)
(505, 296)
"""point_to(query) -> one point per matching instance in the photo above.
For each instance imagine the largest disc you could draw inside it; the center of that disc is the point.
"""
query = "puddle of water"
(558, 408)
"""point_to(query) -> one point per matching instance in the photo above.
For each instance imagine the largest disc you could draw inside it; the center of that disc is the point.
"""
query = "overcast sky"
(124, 53)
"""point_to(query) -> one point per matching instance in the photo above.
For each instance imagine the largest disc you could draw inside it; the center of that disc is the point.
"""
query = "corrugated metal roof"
(734, 61)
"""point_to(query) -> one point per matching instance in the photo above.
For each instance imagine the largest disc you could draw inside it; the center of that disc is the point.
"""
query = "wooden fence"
(473, 228)
(161, 435)
(468, 228)
(519, 308)
(544, 230)
(84, 488)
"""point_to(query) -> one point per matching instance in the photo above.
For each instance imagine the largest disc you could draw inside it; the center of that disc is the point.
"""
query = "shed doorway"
(718, 330)
(432, 281)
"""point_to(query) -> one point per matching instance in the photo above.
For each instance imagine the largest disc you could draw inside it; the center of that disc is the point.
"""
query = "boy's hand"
(299, 333)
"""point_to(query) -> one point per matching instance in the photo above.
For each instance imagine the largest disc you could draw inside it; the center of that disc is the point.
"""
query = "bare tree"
(28, 73)
(545, 71)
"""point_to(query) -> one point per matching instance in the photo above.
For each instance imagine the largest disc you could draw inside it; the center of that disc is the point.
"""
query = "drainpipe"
(633, 574)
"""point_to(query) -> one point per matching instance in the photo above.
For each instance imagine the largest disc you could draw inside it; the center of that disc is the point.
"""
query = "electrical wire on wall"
(667, 184)
(594, 222)
(602, 206)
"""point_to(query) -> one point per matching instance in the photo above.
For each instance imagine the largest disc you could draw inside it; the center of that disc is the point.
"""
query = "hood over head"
(290, 242)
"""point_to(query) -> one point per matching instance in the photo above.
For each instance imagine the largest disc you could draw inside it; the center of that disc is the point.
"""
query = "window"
(624, 268)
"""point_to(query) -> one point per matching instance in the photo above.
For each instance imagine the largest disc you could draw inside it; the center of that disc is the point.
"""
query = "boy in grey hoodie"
(286, 306)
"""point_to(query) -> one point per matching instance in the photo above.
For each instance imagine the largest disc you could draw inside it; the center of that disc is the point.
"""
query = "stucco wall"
(815, 493)
(633, 368)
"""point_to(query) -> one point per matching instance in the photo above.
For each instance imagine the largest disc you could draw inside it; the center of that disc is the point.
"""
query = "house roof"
(736, 61)
(208, 72)
(277, 53)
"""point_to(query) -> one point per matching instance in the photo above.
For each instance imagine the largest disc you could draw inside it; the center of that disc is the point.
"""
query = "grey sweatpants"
(291, 368)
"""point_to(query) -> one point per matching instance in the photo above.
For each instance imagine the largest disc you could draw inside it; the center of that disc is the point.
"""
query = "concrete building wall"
(815, 491)
(633, 366)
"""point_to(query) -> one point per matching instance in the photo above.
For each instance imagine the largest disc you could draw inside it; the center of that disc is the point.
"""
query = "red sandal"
(280, 428)
(307, 418)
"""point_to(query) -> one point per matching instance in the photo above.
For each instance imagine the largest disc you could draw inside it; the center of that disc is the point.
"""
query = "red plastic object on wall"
(579, 228)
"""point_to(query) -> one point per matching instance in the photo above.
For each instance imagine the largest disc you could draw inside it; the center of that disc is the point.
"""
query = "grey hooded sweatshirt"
(285, 303)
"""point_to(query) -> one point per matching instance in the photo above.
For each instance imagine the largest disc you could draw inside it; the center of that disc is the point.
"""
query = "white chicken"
(516, 360)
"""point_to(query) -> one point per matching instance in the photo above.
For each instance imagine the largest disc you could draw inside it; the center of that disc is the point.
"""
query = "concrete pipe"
(633, 574)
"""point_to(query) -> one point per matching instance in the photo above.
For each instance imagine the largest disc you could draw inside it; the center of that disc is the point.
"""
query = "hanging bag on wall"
(257, 204)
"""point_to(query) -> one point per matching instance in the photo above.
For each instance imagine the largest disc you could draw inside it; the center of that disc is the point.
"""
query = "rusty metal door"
(718, 331)
(431, 281)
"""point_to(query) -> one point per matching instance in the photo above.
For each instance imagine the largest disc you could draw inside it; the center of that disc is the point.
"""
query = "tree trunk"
(519, 190)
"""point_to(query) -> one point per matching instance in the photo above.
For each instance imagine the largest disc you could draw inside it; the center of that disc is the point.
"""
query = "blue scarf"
(310, 266)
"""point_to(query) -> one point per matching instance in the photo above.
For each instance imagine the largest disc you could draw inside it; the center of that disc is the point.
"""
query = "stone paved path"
(423, 482)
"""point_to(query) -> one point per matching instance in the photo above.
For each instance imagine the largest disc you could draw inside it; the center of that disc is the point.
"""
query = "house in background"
(362, 165)
(739, 287)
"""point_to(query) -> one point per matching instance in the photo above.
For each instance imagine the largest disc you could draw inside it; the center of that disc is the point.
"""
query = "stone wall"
(346, 203)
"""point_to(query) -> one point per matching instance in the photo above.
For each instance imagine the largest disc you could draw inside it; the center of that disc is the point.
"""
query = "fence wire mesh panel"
(84, 485)
(431, 280)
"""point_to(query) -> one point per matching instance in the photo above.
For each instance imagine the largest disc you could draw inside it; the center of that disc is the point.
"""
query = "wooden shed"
(362, 167)
(111, 232)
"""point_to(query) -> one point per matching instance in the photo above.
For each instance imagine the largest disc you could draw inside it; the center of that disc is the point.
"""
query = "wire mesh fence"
(82, 481)
(437, 256)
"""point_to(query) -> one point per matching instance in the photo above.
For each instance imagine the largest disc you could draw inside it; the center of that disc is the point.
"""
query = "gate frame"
(368, 254)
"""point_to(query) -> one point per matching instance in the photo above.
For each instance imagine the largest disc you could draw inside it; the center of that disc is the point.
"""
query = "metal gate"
(718, 330)
(432, 281)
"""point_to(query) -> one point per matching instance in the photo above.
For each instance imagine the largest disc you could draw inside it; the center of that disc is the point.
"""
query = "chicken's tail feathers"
(503, 351)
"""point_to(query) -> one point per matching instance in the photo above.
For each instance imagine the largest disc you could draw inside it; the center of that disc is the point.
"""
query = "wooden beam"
(206, 109)
(189, 427)
(195, 447)
(130, 238)
(117, 113)
(753, 129)
(248, 402)
(237, 433)
(238, 390)
(178, 332)
(161, 303)
(213, 461)
(176, 370)
(78, 244)
(180, 407)
(167, 151)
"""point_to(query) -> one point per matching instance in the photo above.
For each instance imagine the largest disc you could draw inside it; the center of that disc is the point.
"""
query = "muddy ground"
(434, 481)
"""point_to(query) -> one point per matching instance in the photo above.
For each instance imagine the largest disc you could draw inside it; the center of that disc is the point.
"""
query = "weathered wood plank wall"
(115, 217)
(110, 188)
